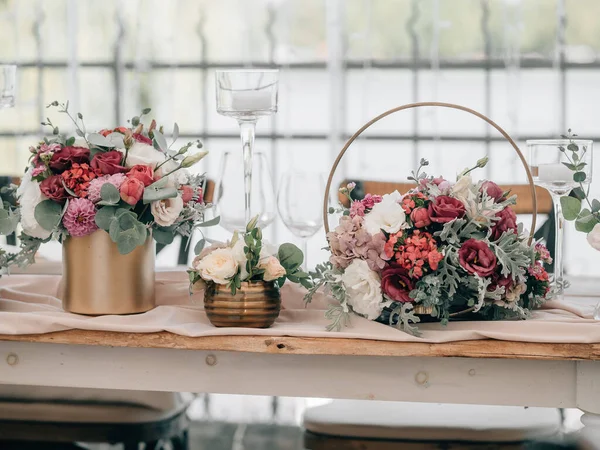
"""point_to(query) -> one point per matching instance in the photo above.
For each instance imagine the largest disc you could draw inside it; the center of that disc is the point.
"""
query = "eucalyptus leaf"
(69, 142)
(8, 221)
(579, 193)
(109, 193)
(130, 239)
(210, 223)
(579, 177)
(570, 166)
(105, 216)
(175, 132)
(160, 140)
(570, 207)
(160, 183)
(586, 222)
(163, 236)
(116, 140)
(199, 246)
(48, 214)
(99, 140)
(153, 195)
(595, 205)
(290, 257)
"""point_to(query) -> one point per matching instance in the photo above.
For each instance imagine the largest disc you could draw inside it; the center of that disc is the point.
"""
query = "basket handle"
(442, 105)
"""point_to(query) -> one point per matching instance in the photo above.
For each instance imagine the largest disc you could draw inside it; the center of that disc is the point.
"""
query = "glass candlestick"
(547, 159)
(247, 95)
(8, 82)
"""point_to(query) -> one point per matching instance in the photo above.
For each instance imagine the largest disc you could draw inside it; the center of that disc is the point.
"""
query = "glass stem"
(559, 283)
(247, 132)
(305, 252)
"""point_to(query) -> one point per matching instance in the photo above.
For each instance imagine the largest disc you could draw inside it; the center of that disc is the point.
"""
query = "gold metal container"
(255, 305)
(423, 310)
(98, 280)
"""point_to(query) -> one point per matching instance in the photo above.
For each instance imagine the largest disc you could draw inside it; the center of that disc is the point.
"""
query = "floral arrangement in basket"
(441, 248)
(246, 258)
(126, 181)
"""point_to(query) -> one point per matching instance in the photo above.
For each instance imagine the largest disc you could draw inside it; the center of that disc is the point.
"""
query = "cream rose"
(166, 211)
(363, 289)
(593, 237)
(462, 189)
(387, 215)
(217, 266)
(144, 154)
(29, 196)
(273, 268)
(240, 257)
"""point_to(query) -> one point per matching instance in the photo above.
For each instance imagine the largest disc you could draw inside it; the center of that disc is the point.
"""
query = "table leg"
(588, 396)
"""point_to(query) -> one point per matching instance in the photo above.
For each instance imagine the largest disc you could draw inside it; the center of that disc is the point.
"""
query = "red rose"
(396, 284)
(500, 281)
(131, 191)
(141, 138)
(444, 209)
(143, 173)
(420, 217)
(493, 191)
(53, 188)
(187, 193)
(63, 159)
(507, 220)
(476, 257)
(109, 163)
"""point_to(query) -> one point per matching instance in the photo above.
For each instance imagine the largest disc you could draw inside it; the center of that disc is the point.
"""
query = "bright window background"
(531, 65)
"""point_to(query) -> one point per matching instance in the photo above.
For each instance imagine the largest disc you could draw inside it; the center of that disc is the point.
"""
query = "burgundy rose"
(476, 257)
(396, 284)
(444, 209)
(53, 188)
(507, 220)
(493, 191)
(500, 281)
(63, 158)
(141, 138)
(109, 163)
(420, 217)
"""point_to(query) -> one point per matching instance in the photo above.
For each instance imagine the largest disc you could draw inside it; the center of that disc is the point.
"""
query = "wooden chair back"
(522, 191)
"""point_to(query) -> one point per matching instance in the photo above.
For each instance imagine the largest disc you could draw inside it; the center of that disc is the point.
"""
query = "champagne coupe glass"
(300, 205)
(8, 77)
(548, 159)
(229, 198)
(247, 95)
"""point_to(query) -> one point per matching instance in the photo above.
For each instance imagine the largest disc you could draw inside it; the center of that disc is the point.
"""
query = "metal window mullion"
(414, 44)
(487, 108)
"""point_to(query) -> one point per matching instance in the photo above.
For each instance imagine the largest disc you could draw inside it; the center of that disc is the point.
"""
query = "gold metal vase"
(254, 305)
(98, 280)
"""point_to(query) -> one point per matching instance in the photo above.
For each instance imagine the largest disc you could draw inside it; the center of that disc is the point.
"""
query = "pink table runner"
(28, 306)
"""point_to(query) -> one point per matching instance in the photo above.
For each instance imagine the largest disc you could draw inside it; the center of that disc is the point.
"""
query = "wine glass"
(300, 201)
(229, 198)
(247, 95)
(8, 78)
(548, 160)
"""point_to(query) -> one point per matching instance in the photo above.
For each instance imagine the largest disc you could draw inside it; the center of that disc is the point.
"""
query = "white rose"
(166, 211)
(144, 154)
(29, 196)
(363, 287)
(240, 257)
(593, 237)
(387, 215)
(217, 266)
(273, 268)
(462, 189)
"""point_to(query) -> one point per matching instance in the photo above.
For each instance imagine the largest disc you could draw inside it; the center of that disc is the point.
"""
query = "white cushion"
(50, 404)
(431, 422)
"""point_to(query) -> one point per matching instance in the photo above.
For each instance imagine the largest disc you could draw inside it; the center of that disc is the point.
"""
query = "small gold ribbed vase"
(98, 280)
(254, 305)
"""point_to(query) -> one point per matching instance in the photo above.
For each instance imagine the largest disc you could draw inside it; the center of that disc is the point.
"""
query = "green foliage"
(9, 220)
(586, 221)
(403, 318)
(160, 141)
(570, 207)
(124, 228)
(99, 141)
(512, 255)
(109, 194)
(199, 246)
(163, 235)
(338, 317)
(48, 214)
(153, 194)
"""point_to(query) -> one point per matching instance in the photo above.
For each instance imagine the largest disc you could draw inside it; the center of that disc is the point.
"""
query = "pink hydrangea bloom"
(370, 200)
(96, 185)
(357, 209)
(79, 219)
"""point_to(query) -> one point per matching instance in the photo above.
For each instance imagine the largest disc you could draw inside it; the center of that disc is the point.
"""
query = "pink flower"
(357, 209)
(64, 157)
(132, 190)
(396, 284)
(96, 185)
(79, 219)
(420, 217)
(370, 200)
(493, 191)
(507, 220)
(53, 188)
(477, 258)
(109, 163)
(445, 209)
(543, 253)
(37, 171)
(187, 193)
(143, 173)
(141, 138)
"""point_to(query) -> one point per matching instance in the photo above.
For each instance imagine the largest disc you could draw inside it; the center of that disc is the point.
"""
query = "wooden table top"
(319, 346)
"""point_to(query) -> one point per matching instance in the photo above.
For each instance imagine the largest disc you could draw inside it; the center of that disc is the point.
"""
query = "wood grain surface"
(319, 346)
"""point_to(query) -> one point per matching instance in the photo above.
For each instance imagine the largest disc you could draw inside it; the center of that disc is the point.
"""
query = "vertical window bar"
(274, 121)
(73, 63)
(414, 42)
(118, 65)
(487, 107)
(434, 56)
(37, 30)
(560, 59)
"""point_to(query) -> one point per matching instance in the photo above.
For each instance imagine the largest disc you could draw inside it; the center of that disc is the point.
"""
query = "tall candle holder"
(548, 160)
(247, 95)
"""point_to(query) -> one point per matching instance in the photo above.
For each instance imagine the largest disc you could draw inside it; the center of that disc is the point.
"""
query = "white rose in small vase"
(217, 266)
(167, 211)
(240, 257)
(363, 287)
(593, 237)
(29, 196)
(273, 268)
(387, 215)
